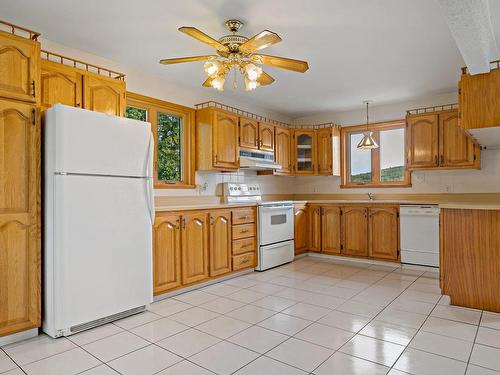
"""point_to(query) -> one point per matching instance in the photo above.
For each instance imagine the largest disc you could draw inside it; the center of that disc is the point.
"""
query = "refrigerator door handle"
(149, 164)
(150, 199)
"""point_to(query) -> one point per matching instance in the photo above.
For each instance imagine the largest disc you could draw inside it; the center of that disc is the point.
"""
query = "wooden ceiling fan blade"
(260, 41)
(204, 38)
(281, 62)
(208, 82)
(178, 60)
(265, 79)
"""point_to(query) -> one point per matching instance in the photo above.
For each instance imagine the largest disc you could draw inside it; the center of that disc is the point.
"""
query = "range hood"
(488, 138)
(257, 160)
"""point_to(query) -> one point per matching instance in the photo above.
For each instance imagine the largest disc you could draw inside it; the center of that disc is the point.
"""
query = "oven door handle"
(276, 208)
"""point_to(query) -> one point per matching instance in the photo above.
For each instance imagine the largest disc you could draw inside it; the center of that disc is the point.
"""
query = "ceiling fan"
(239, 53)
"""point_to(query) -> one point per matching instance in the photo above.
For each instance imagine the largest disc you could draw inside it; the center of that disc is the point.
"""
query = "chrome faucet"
(371, 196)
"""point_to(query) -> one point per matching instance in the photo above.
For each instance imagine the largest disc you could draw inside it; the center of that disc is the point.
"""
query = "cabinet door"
(249, 133)
(60, 84)
(324, 151)
(422, 141)
(220, 242)
(103, 94)
(383, 228)
(300, 223)
(331, 224)
(194, 242)
(166, 253)
(225, 141)
(19, 68)
(266, 137)
(19, 217)
(282, 152)
(305, 155)
(456, 147)
(314, 228)
(355, 231)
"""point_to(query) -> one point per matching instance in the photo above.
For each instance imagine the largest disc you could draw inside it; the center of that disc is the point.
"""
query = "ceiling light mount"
(233, 25)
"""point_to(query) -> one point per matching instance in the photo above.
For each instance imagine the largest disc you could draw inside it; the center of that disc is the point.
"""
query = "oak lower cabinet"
(220, 242)
(217, 140)
(20, 258)
(383, 232)
(19, 68)
(194, 246)
(195, 232)
(300, 229)
(314, 230)
(166, 253)
(330, 230)
(355, 231)
(437, 141)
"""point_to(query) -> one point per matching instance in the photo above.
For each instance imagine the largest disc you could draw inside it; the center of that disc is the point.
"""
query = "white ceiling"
(384, 50)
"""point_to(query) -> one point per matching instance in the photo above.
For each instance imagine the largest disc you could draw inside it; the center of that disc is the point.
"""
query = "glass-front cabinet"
(305, 152)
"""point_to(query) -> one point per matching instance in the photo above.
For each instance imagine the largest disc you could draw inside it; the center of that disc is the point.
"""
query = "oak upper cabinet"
(304, 152)
(457, 149)
(19, 68)
(383, 229)
(479, 99)
(60, 84)
(422, 141)
(436, 141)
(282, 153)
(330, 233)
(314, 231)
(19, 209)
(249, 133)
(104, 94)
(328, 151)
(195, 232)
(266, 137)
(354, 231)
(217, 135)
(166, 253)
(220, 242)
(300, 228)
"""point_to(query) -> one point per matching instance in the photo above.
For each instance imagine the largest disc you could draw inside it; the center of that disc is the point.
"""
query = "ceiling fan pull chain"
(235, 83)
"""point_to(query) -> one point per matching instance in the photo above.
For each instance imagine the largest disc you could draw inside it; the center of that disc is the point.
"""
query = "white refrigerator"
(98, 212)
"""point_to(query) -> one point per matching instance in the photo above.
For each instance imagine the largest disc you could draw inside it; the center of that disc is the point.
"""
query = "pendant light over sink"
(367, 142)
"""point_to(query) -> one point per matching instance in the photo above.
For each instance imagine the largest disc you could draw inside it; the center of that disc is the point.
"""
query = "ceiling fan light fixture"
(251, 84)
(218, 83)
(253, 72)
(212, 68)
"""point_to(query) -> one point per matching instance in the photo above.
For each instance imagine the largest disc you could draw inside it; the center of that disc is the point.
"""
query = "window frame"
(345, 132)
(187, 115)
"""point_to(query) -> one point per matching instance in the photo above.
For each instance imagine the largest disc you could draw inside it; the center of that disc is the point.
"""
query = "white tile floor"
(313, 316)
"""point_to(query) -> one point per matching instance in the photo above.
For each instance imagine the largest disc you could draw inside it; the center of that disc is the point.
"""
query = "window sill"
(173, 186)
(375, 186)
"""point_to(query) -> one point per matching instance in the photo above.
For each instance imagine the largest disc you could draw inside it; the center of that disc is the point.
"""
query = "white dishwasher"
(419, 233)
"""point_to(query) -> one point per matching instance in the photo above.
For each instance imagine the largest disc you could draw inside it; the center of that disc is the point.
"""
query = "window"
(173, 131)
(380, 167)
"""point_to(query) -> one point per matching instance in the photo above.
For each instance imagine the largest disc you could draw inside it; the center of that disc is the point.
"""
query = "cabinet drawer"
(244, 215)
(243, 231)
(243, 246)
(243, 261)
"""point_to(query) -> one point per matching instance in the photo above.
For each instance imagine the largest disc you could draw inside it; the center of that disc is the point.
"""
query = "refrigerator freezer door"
(101, 248)
(86, 142)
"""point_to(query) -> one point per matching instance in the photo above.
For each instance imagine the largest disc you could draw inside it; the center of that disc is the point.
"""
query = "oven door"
(275, 224)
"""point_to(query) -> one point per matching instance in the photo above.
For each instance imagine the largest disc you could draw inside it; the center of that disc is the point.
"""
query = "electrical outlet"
(419, 178)
(447, 188)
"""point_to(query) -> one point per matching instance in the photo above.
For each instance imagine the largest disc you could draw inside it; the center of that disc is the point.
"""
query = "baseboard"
(20, 336)
(201, 285)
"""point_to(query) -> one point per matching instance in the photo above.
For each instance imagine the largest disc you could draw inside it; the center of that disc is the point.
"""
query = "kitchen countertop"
(453, 205)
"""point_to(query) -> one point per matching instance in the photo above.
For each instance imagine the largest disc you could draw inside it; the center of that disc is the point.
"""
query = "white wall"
(485, 180)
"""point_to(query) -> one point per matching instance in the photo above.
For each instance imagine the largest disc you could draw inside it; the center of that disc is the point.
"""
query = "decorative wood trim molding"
(19, 31)
(68, 61)
(433, 109)
(260, 118)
